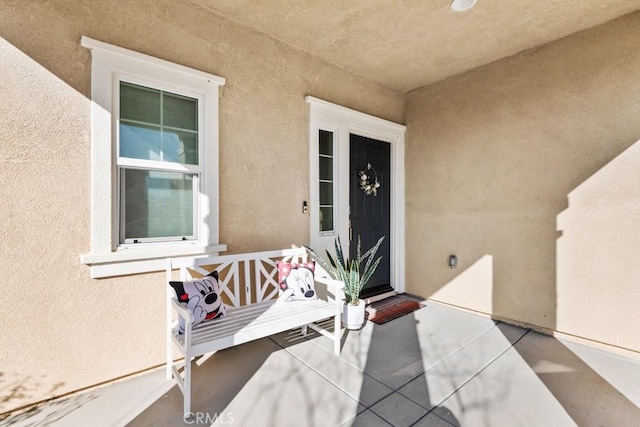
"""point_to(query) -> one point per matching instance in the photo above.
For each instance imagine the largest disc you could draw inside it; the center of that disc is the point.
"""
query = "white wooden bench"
(249, 287)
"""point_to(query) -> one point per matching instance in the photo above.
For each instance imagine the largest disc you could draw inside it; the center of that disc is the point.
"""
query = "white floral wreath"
(369, 180)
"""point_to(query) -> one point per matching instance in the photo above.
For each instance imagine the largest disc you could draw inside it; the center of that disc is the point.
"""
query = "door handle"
(350, 232)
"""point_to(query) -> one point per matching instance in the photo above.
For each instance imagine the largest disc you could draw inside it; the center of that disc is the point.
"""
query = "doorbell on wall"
(453, 261)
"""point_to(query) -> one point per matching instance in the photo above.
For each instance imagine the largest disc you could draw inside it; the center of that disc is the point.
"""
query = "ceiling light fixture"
(462, 5)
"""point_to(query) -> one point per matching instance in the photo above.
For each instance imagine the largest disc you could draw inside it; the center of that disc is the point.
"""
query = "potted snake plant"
(354, 276)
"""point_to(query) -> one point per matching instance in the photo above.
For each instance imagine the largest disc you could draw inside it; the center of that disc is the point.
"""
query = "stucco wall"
(61, 330)
(528, 170)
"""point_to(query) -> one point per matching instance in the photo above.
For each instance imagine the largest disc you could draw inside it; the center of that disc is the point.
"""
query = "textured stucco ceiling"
(408, 44)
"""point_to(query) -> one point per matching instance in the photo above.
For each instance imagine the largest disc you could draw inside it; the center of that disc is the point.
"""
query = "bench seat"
(247, 323)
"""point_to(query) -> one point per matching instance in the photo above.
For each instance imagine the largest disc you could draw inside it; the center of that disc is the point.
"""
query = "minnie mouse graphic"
(296, 281)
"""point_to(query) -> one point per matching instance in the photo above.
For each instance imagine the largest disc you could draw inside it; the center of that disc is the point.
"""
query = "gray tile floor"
(438, 366)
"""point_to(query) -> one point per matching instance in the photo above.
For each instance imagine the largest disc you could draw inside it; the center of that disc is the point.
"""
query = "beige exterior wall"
(528, 169)
(61, 330)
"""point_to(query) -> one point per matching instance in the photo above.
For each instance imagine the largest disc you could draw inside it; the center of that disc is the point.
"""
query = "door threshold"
(374, 291)
(379, 297)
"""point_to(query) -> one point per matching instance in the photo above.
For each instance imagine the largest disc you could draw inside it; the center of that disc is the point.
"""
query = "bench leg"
(337, 335)
(168, 370)
(186, 407)
(303, 330)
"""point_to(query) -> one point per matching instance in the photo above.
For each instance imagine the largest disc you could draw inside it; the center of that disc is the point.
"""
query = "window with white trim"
(154, 144)
(159, 167)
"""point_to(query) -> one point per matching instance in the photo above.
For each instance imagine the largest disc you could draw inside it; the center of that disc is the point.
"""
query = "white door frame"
(343, 122)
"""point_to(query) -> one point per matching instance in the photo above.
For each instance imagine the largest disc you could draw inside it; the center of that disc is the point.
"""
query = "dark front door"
(370, 214)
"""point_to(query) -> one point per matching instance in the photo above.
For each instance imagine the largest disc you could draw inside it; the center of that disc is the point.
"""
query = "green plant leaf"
(323, 263)
(368, 273)
(354, 280)
(339, 255)
(371, 253)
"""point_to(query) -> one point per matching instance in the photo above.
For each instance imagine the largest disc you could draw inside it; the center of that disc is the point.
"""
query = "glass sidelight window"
(326, 180)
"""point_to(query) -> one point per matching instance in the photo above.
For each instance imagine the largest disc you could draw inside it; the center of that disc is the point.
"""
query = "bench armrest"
(333, 288)
(332, 284)
(181, 311)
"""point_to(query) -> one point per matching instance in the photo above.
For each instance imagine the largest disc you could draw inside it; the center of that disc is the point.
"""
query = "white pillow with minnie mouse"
(296, 281)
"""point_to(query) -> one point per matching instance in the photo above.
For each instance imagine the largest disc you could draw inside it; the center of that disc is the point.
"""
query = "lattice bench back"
(243, 278)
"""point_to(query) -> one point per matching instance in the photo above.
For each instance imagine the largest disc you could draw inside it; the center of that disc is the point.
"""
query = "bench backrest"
(243, 278)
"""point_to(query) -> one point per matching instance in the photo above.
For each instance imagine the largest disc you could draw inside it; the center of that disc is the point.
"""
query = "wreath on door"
(369, 180)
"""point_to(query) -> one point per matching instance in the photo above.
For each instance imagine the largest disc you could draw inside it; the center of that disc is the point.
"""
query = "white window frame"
(343, 122)
(145, 164)
(109, 65)
(315, 213)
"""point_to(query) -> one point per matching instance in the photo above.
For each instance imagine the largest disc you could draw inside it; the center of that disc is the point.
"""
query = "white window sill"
(145, 259)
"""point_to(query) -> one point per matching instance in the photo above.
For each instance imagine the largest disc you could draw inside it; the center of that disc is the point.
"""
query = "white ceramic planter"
(353, 315)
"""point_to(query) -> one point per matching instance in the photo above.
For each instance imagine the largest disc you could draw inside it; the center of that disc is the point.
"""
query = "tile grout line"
(466, 382)
(357, 399)
(484, 332)
(474, 339)
(476, 374)
(396, 390)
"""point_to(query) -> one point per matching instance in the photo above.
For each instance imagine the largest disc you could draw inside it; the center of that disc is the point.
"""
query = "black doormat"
(390, 308)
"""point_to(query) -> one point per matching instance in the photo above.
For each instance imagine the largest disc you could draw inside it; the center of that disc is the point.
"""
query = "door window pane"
(326, 194)
(326, 218)
(326, 168)
(326, 142)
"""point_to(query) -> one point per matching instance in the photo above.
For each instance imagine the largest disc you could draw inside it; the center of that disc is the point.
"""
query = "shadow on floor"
(404, 367)
(212, 390)
(587, 397)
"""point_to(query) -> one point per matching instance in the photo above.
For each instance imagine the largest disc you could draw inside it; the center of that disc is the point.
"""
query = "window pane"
(140, 141)
(326, 193)
(148, 122)
(139, 103)
(326, 219)
(180, 147)
(326, 142)
(326, 168)
(180, 111)
(157, 204)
